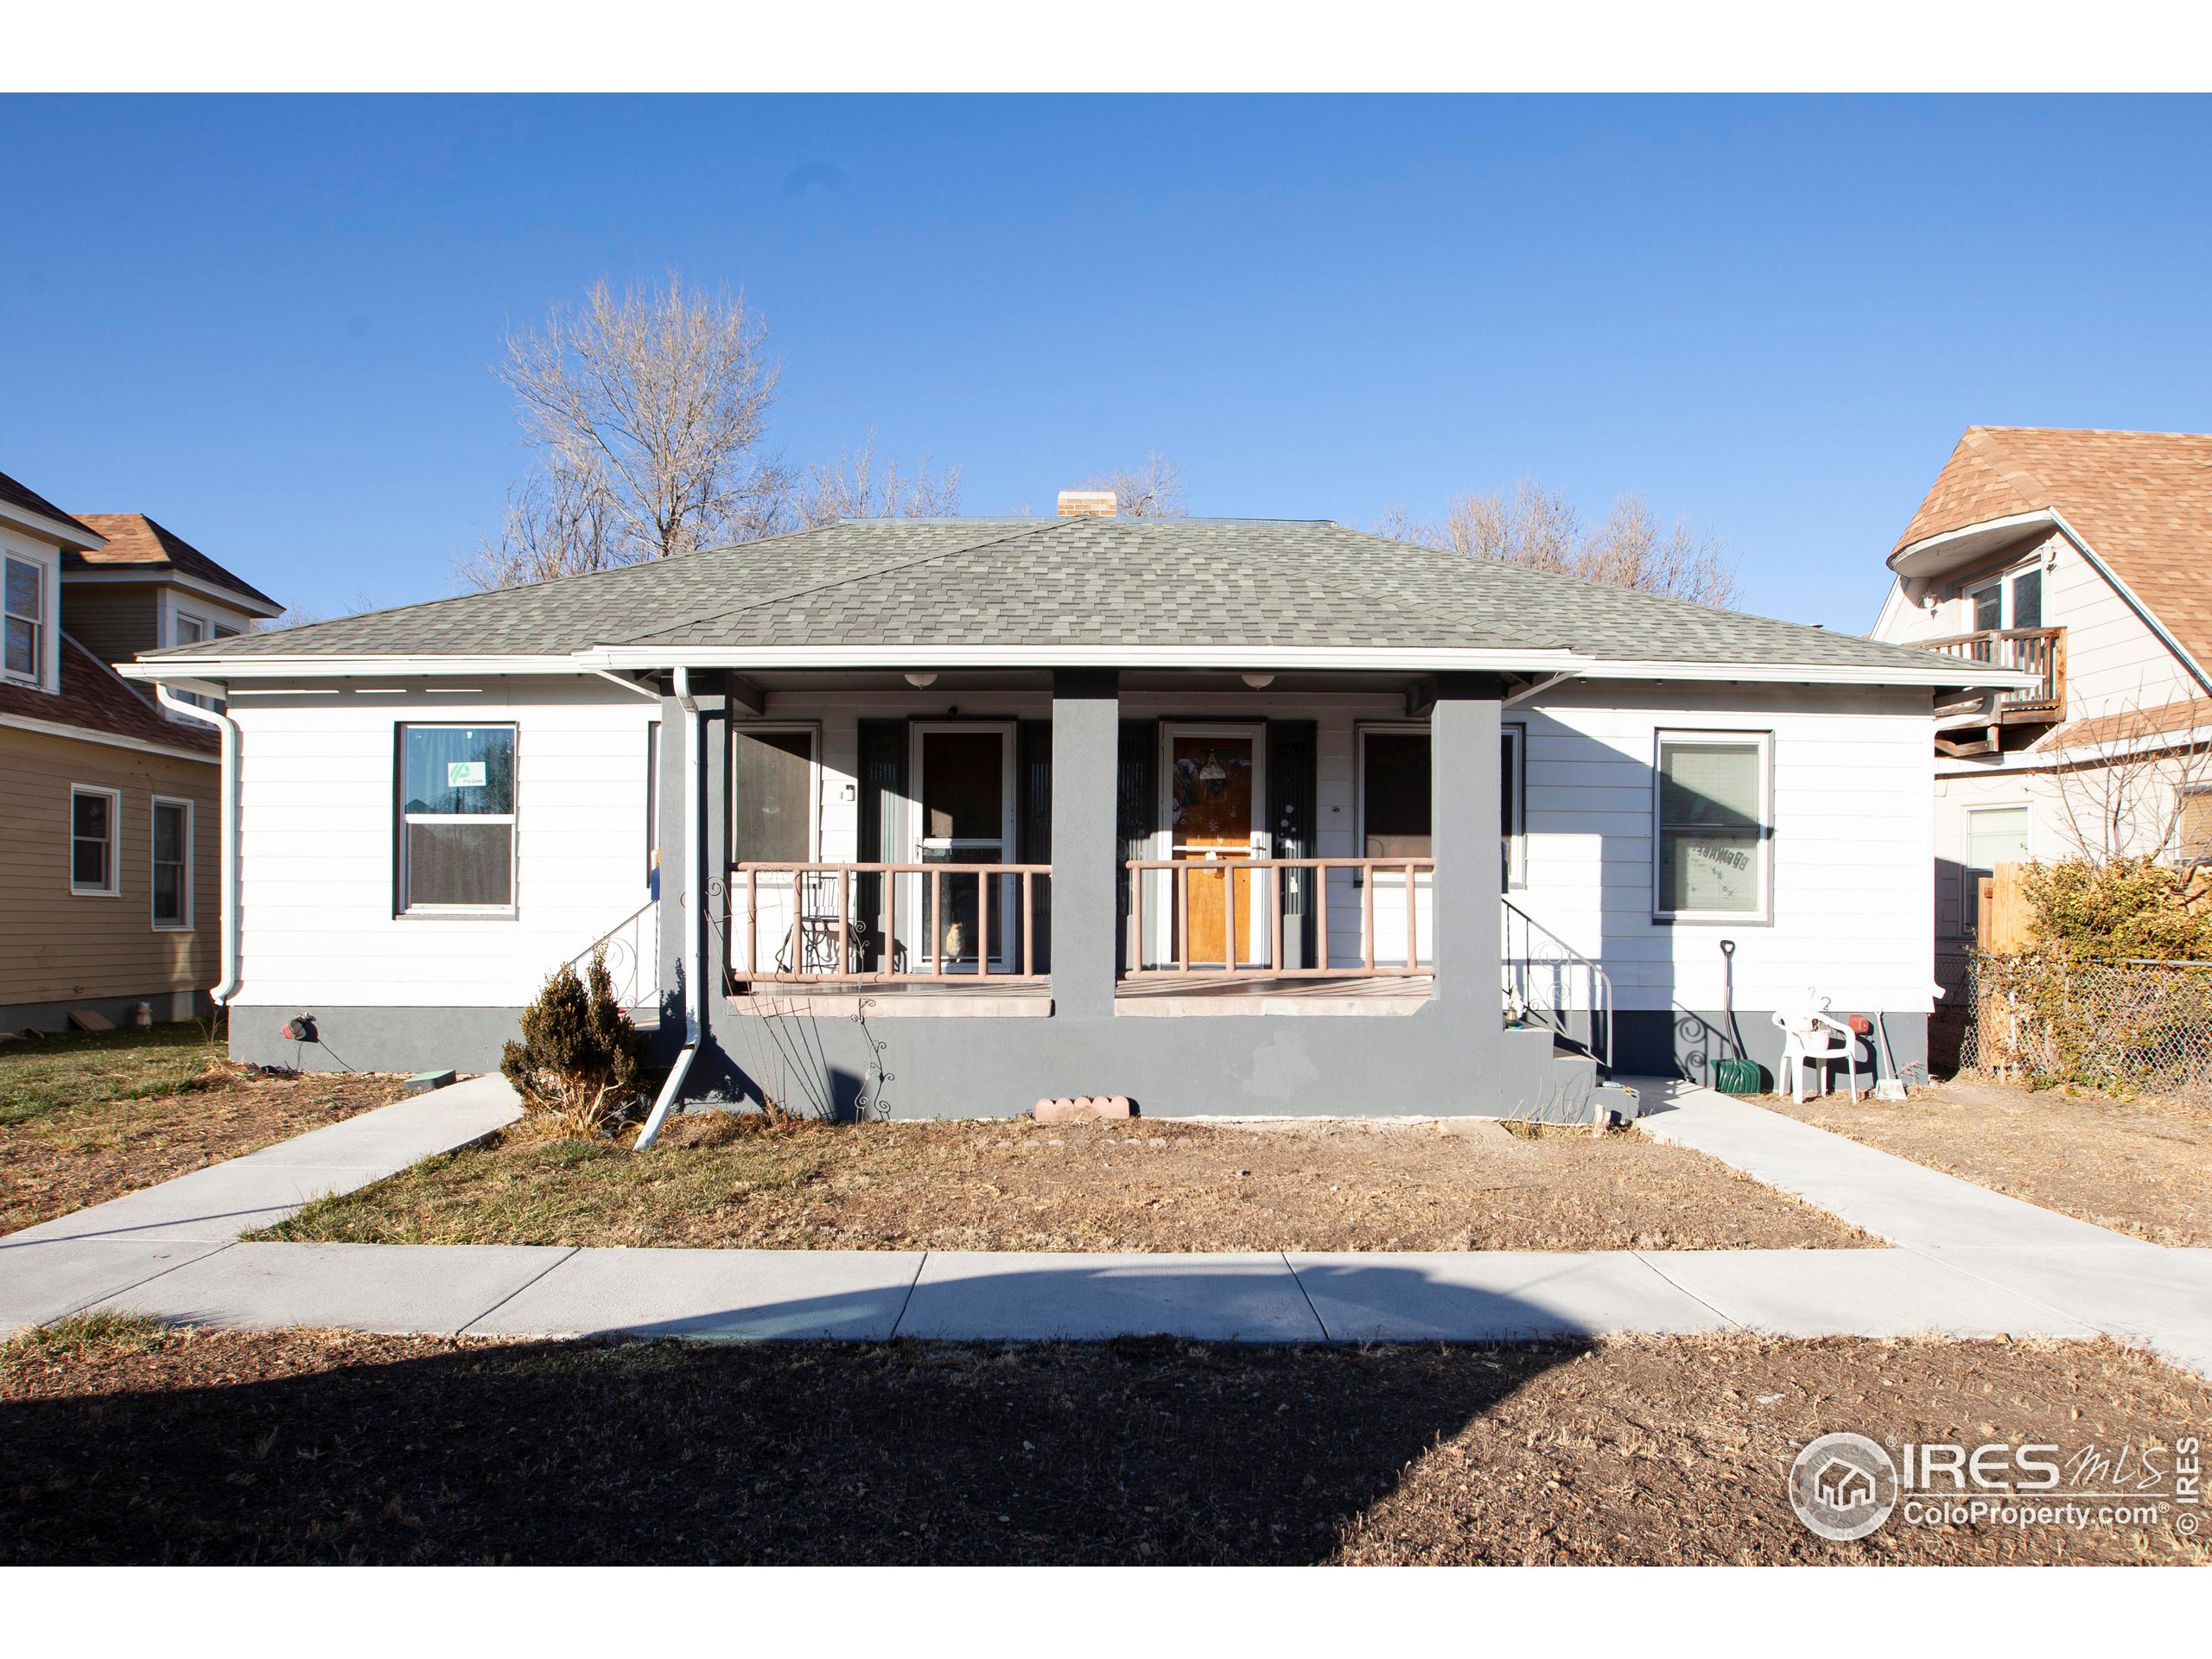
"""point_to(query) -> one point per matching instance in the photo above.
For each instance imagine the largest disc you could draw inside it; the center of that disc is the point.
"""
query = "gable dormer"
(35, 538)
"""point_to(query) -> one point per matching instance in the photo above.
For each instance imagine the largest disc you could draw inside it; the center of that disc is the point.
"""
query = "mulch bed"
(66, 1157)
(2142, 1168)
(741, 1181)
(119, 1443)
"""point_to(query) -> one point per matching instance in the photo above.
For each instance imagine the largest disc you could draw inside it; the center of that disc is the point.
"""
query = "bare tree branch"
(1151, 489)
(856, 487)
(2129, 802)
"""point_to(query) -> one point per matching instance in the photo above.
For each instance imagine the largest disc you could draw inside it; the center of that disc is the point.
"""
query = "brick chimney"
(1088, 504)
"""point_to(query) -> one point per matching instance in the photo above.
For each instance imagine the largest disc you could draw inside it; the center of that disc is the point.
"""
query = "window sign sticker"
(464, 774)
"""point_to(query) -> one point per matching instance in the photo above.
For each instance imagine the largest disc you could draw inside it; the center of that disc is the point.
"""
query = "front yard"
(2136, 1168)
(122, 1443)
(725, 1181)
(87, 1117)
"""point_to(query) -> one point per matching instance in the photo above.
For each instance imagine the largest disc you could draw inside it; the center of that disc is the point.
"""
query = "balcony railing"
(890, 924)
(2040, 652)
(1245, 918)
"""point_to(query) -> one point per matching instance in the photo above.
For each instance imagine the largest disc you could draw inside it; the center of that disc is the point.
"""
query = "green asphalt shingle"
(1076, 581)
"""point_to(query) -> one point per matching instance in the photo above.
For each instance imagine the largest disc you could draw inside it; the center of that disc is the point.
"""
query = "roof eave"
(1931, 555)
(65, 533)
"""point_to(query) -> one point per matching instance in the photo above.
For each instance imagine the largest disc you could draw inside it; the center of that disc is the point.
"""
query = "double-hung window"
(457, 828)
(1713, 834)
(93, 822)
(24, 605)
(172, 864)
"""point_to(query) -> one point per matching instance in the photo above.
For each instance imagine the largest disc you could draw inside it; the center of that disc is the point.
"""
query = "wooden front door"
(1212, 787)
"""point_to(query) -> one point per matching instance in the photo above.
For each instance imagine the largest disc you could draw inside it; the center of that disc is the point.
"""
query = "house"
(108, 824)
(2083, 558)
(1225, 815)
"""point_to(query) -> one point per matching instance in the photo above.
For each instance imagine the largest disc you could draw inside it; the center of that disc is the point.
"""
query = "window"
(1511, 814)
(2013, 601)
(92, 822)
(2027, 599)
(456, 817)
(2194, 832)
(652, 807)
(190, 630)
(773, 795)
(25, 610)
(172, 863)
(1712, 849)
(1995, 835)
(1988, 607)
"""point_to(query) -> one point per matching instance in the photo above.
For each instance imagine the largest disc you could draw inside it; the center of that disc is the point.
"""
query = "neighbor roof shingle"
(135, 540)
(2142, 500)
(23, 496)
(94, 698)
(1078, 581)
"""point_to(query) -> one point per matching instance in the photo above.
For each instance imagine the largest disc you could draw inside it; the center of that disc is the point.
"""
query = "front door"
(1213, 783)
(963, 803)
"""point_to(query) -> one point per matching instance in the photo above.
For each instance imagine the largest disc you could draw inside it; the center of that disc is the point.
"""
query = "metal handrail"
(1518, 981)
(627, 958)
(1269, 928)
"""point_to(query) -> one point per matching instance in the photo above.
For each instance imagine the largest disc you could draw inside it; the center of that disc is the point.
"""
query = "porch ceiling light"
(1259, 682)
(921, 679)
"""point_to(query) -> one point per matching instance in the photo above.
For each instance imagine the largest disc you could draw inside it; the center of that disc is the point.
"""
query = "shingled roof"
(135, 540)
(2141, 500)
(93, 698)
(1067, 582)
(27, 500)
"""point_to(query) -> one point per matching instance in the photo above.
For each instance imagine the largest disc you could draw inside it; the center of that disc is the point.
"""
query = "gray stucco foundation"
(377, 1038)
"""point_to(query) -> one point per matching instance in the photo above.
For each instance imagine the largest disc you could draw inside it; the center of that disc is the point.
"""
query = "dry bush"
(577, 1066)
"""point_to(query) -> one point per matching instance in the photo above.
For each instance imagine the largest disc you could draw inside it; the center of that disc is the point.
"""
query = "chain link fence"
(2125, 1028)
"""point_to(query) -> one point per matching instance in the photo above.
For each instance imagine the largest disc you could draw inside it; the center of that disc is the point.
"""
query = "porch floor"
(1168, 996)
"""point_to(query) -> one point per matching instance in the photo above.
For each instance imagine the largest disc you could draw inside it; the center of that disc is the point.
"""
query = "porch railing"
(1549, 982)
(1270, 917)
(2040, 652)
(890, 924)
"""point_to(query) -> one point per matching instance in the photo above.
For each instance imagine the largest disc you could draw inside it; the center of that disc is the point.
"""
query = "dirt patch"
(719, 1181)
(2140, 1169)
(81, 1126)
(129, 1445)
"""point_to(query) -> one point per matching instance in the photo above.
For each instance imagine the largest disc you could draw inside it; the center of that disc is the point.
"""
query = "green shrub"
(578, 1060)
(2120, 908)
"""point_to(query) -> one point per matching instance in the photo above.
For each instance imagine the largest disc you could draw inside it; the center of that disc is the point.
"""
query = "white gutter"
(694, 931)
(228, 729)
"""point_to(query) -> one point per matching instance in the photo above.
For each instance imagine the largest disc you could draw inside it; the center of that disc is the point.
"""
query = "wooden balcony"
(1192, 920)
(1976, 727)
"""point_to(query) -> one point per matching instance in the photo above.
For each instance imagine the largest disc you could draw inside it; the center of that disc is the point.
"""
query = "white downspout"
(228, 729)
(694, 931)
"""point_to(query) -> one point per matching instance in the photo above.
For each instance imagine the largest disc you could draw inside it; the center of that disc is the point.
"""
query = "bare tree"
(855, 487)
(647, 409)
(1151, 489)
(1539, 529)
(2131, 800)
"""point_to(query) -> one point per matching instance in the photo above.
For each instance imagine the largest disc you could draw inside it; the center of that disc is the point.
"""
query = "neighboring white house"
(935, 817)
(2084, 557)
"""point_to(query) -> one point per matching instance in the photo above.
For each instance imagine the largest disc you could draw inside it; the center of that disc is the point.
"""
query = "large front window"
(456, 817)
(1713, 834)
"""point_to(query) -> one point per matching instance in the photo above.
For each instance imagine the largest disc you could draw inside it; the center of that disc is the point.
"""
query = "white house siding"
(1852, 848)
(316, 847)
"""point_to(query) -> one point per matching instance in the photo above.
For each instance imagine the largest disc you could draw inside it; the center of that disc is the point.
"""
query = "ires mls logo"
(1843, 1487)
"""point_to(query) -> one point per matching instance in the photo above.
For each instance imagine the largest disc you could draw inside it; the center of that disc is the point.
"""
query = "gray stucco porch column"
(1086, 857)
(1465, 782)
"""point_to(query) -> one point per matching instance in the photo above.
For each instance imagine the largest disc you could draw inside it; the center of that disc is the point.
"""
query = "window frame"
(812, 731)
(2001, 583)
(113, 889)
(402, 906)
(185, 922)
(1970, 873)
(1763, 738)
(2178, 852)
(1388, 728)
(41, 624)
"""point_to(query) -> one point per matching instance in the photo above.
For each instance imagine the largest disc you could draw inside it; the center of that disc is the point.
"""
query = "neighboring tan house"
(110, 818)
(949, 815)
(2084, 559)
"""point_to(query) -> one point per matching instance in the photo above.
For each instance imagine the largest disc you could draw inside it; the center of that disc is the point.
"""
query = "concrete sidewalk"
(1970, 1263)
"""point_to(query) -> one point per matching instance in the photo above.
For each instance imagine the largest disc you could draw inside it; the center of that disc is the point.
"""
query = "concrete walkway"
(1969, 1263)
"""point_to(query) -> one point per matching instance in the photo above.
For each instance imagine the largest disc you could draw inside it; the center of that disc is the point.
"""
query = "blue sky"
(269, 323)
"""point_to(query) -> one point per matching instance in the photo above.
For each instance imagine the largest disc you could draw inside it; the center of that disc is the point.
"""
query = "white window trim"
(1762, 917)
(403, 908)
(46, 666)
(114, 887)
(152, 846)
(811, 730)
(199, 622)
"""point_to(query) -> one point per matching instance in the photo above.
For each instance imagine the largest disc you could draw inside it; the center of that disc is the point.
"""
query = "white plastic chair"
(1811, 1037)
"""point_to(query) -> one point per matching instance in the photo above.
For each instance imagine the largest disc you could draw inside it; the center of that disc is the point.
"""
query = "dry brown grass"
(224, 1446)
(2136, 1167)
(729, 1181)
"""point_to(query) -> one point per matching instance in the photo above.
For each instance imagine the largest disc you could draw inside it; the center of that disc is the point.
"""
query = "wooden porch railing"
(1260, 901)
(842, 922)
(2040, 652)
